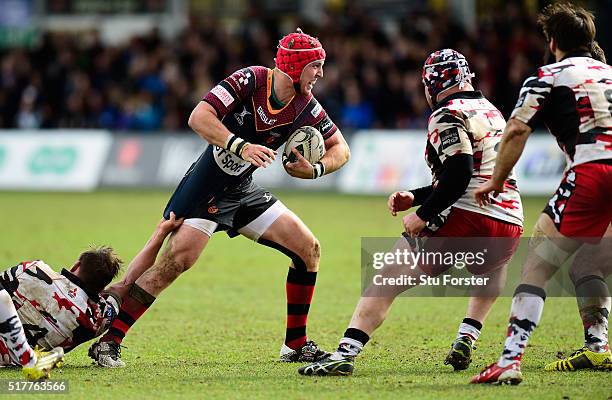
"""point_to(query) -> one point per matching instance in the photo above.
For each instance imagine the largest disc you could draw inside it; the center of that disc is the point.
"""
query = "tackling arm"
(146, 257)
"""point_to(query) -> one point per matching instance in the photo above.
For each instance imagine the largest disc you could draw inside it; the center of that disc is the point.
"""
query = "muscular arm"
(510, 149)
(205, 122)
(146, 257)
(337, 152)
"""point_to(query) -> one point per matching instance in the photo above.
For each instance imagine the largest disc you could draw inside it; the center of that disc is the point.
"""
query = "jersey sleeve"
(326, 126)
(447, 134)
(231, 91)
(533, 94)
(318, 118)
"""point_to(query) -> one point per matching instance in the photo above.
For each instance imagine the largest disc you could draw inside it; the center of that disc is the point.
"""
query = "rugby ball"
(308, 141)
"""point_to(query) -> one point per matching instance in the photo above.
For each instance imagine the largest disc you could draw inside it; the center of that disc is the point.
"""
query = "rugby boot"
(460, 354)
(496, 375)
(310, 352)
(45, 362)
(583, 358)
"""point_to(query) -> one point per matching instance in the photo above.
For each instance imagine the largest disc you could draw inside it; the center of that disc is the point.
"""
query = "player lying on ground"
(573, 97)
(59, 311)
(244, 119)
(463, 133)
(15, 349)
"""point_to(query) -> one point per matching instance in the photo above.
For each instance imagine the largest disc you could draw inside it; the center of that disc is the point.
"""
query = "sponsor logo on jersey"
(222, 94)
(72, 293)
(326, 125)
(264, 118)
(213, 209)
(244, 80)
(228, 162)
(240, 78)
(316, 110)
(240, 116)
(449, 137)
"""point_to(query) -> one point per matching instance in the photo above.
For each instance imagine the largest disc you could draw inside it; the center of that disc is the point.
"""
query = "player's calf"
(289, 235)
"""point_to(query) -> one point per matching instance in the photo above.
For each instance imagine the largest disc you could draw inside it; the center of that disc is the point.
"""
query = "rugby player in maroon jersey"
(245, 118)
(573, 98)
(463, 133)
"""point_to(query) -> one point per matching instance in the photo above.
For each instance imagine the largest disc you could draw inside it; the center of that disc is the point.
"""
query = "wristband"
(318, 170)
(235, 145)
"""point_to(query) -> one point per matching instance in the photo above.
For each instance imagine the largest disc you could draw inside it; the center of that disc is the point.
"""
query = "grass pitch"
(216, 332)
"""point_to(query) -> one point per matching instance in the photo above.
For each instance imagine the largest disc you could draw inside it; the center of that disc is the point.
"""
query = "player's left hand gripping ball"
(301, 168)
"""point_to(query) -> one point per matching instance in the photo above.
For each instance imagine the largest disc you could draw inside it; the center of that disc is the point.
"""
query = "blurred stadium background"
(95, 97)
(134, 69)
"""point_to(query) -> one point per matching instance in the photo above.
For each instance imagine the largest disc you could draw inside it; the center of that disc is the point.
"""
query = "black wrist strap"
(318, 170)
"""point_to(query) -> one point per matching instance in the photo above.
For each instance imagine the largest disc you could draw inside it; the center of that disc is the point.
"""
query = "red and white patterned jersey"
(573, 97)
(467, 123)
(54, 308)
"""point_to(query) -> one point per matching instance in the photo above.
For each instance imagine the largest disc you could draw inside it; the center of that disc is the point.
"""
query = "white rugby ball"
(308, 141)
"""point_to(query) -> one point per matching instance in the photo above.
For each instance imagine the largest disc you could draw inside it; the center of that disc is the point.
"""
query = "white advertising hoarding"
(52, 160)
(385, 161)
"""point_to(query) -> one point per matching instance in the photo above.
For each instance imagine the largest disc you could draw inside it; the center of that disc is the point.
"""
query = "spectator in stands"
(372, 70)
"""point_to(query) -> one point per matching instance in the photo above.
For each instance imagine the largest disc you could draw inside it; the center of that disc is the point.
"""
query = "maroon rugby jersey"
(242, 104)
(573, 97)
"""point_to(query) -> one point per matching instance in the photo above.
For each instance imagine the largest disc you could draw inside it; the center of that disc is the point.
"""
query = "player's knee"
(549, 245)
(313, 254)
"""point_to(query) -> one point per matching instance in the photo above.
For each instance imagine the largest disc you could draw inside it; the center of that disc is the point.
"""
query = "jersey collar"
(579, 53)
(77, 281)
(468, 94)
(269, 84)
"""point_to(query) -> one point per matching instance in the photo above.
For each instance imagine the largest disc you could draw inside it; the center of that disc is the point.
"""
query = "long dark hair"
(572, 27)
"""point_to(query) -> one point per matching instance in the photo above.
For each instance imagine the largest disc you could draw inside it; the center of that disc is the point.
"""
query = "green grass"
(216, 332)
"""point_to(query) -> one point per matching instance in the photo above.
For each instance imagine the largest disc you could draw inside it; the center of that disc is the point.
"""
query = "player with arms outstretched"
(463, 133)
(573, 97)
(245, 118)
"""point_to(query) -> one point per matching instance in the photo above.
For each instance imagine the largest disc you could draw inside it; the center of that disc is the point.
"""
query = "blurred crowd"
(372, 73)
